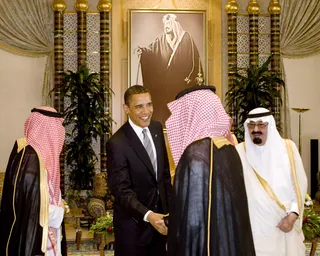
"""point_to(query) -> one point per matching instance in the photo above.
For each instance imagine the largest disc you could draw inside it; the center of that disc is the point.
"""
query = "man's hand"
(62, 205)
(137, 51)
(286, 224)
(156, 220)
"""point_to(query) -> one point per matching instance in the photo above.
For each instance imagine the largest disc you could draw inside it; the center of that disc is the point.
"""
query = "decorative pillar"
(59, 7)
(253, 9)
(232, 9)
(104, 7)
(81, 7)
(275, 10)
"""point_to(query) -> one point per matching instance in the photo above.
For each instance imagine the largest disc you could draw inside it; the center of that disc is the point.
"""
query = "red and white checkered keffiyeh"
(46, 135)
(194, 116)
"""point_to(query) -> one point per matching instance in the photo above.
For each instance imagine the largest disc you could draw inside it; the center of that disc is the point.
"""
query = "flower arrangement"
(311, 220)
(308, 201)
(103, 225)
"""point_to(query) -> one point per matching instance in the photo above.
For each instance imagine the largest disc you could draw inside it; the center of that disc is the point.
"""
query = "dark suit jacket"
(133, 183)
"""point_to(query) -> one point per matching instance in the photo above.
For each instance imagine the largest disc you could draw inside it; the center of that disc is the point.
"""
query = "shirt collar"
(136, 128)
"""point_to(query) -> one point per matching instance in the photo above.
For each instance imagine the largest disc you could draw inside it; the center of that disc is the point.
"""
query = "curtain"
(26, 28)
(300, 28)
(300, 37)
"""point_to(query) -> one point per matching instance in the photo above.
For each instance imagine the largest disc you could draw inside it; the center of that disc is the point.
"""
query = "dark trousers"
(157, 247)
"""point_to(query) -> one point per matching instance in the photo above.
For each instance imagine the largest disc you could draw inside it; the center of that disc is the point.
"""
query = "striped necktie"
(148, 146)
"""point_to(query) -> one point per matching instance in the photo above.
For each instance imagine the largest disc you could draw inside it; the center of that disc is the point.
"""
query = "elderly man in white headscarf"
(276, 185)
(169, 64)
(209, 214)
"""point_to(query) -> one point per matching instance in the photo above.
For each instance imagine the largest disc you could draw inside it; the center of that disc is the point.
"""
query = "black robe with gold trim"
(21, 232)
(210, 210)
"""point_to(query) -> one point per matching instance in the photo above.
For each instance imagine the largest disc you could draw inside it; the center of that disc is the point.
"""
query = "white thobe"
(56, 214)
(265, 213)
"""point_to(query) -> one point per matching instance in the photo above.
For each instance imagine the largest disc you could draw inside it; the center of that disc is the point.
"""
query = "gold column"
(59, 7)
(81, 7)
(253, 9)
(275, 10)
(232, 9)
(104, 7)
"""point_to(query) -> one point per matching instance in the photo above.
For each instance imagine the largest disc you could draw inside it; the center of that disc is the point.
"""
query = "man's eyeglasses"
(259, 125)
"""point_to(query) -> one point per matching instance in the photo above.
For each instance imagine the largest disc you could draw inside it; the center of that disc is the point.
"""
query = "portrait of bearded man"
(171, 62)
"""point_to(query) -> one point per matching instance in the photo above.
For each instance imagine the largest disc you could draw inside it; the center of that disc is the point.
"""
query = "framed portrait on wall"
(167, 51)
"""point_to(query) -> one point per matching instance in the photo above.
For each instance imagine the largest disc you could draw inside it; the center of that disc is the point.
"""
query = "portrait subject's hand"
(156, 220)
(137, 50)
(286, 224)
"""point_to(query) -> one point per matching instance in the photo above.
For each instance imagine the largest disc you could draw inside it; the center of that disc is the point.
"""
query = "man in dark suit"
(139, 179)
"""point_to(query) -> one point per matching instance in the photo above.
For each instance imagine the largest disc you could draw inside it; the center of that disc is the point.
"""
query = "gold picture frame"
(166, 51)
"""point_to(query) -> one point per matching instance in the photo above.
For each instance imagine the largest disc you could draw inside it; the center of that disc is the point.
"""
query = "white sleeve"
(302, 181)
(294, 206)
(56, 214)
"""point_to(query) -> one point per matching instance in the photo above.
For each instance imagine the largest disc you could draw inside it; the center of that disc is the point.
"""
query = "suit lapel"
(137, 146)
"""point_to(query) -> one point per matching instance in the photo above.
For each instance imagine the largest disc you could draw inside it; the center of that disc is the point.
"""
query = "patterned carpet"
(89, 248)
(308, 247)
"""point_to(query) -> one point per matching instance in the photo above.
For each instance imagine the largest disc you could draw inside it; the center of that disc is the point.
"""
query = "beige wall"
(21, 81)
(304, 92)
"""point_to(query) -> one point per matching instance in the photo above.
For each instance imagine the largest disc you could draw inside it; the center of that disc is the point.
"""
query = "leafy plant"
(85, 115)
(103, 225)
(311, 224)
(253, 87)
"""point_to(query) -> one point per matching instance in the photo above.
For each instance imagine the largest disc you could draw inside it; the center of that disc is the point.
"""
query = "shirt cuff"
(294, 208)
(146, 216)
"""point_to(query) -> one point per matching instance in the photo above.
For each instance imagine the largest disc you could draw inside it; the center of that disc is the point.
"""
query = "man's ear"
(125, 108)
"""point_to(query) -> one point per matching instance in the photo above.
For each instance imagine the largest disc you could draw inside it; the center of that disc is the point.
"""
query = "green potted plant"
(103, 231)
(103, 225)
(253, 87)
(84, 113)
(311, 224)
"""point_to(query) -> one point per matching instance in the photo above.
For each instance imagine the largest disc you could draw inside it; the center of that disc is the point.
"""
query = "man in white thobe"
(276, 186)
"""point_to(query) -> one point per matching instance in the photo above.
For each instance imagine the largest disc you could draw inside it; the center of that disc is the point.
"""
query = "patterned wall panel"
(70, 62)
(93, 43)
(243, 60)
(94, 62)
(264, 25)
(70, 22)
(243, 42)
(243, 24)
(70, 41)
(264, 44)
(93, 22)
(262, 59)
